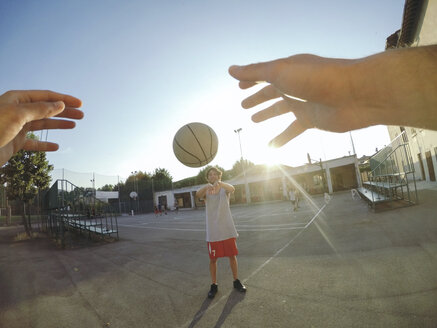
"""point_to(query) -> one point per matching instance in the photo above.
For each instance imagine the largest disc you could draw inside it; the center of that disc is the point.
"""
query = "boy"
(220, 229)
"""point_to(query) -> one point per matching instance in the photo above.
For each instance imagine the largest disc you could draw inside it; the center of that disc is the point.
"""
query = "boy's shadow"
(234, 298)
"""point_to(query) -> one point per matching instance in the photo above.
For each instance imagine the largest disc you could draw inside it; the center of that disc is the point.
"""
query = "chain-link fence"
(141, 203)
(87, 179)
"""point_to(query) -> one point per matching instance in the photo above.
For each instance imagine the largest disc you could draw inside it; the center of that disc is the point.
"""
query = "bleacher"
(391, 179)
(73, 209)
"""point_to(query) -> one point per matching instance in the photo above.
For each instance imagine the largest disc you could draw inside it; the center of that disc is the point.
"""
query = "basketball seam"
(198, 142)
(210, 141)
(177, 143)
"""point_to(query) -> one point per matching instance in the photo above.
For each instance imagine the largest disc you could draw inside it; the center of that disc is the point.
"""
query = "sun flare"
(271, 156)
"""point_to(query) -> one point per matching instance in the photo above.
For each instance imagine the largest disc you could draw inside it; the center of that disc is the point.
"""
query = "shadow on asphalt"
(233, 299)
(201, 312)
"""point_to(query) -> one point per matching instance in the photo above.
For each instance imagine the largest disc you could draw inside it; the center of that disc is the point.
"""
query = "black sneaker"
(212, 291)
(239, 286)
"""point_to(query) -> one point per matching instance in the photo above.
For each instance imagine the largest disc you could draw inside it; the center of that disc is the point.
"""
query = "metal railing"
(392, 171)
(71, 208)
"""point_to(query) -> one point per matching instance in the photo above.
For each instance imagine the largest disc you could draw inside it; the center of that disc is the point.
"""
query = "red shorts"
(222, 248)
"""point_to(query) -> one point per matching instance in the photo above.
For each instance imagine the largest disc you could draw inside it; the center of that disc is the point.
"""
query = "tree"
(237, 168)
(139, 176)
(187, 182)
(201, 176)
(26, 173)
(162, 179)
(107, 187)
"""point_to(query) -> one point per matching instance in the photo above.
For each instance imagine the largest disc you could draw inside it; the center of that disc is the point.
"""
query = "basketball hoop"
(133, 195)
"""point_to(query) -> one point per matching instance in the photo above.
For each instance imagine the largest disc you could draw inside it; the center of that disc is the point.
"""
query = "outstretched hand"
(25, 111)
(396, 87)
(321, 86)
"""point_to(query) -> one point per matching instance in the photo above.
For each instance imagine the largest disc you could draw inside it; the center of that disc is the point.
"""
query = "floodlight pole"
(352, 141)
(246, 185)
(93, 180)
(118, 188)
(134, 173)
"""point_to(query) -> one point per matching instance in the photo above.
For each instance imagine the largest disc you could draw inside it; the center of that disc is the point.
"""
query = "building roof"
(410, 21)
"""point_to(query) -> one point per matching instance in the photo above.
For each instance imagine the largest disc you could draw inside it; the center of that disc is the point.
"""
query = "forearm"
(226, 186)
(399, 87)
(202, 191)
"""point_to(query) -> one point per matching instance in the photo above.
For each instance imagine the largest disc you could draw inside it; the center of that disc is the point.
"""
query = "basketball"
(195, 144)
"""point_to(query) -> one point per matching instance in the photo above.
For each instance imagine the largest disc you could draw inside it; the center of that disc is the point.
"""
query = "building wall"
(268, 185)
(421, 141)
(427, 31)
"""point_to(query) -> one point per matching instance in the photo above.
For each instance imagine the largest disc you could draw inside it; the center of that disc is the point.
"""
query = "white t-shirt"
(219, 222)
(292, 195)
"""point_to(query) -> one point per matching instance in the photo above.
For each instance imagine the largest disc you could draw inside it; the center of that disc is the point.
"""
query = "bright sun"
(271, 156)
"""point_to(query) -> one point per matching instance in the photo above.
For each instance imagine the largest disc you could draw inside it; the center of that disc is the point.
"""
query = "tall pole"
(138, 196)
(323, 175)
(153, 194)
(93, 180)
(246, 185)
(118, 188)
(352, 141)
(134, 173)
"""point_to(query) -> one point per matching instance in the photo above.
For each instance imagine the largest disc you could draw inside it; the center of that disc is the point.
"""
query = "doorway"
(430, 166)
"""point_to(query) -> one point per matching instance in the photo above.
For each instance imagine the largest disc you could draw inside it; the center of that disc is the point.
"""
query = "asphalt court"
(333, 265)
(272, 216)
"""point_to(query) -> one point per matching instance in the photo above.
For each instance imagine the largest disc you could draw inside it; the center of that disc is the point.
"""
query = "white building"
(271, 183)
(419, 28)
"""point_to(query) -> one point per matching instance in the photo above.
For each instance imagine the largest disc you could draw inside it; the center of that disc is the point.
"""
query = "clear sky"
(145, 68)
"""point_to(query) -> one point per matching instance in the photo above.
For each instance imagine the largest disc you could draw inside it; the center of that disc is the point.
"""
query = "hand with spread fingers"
(32, 110)
(396, 87)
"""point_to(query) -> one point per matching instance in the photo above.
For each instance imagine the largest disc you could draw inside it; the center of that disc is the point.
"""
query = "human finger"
(293, 130)
(50, 124)
(255, 72)
(247, 84)
(39, 110)
(278, 108)
(72, 113)
(36, 145)
(267, 93)
(23, 96)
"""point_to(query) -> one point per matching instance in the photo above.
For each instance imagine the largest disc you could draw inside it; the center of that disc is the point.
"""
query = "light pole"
(93, 180)
(352, 142)
(134, 173)
(118, 189)
(246, 185)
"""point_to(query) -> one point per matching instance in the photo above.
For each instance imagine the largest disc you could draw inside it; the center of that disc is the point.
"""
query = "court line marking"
(239, 230)
(157, 228)
(285, 246)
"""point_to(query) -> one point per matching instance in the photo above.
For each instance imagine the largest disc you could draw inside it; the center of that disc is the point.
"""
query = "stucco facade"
(271, 183)
(422, 143)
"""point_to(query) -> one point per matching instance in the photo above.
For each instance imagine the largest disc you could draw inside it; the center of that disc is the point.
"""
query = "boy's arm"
(202, 191)
(226, 186)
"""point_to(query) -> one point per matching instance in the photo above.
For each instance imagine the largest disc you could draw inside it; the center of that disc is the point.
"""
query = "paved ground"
(338, 265)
